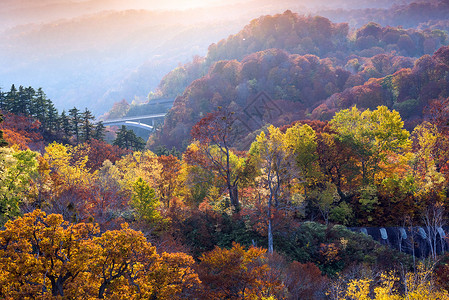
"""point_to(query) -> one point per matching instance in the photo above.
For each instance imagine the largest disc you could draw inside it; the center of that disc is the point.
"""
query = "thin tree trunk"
(270, 235)
(270, 231)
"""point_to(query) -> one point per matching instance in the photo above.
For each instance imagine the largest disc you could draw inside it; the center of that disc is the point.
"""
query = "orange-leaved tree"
(171, 167)
(43, 256)
(237, 273)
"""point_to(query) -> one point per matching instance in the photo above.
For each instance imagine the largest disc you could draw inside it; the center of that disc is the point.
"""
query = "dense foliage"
(410, 91)
(430, 14)
(306, 35)
(304, 65)
(291, 130)
(361, 168)
(34, 112)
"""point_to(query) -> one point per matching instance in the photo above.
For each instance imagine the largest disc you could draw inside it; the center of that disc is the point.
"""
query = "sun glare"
(187, 4)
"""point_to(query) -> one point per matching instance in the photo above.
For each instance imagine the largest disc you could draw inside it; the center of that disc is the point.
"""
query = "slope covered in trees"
(319, 36)
(422, 14)
(299, 84)
(307, 35)
(329, 61)
(360, 168)
(31, 121)
(410, 90)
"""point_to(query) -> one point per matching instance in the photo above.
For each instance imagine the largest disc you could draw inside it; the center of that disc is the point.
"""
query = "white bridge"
(144, 121)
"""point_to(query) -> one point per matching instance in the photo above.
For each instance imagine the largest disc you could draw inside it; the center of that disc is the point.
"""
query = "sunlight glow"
(180, 4)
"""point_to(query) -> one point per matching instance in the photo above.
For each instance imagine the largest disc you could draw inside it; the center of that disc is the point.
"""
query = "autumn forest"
(305, 156)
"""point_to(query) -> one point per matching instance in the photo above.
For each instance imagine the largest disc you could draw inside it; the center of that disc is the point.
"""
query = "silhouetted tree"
(75, 122)
(51, 118)
(99, 131)
(87, 128)
(65, 124)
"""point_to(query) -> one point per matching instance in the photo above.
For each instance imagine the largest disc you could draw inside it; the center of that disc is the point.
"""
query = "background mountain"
(93, 53)
(422, 14)
(310, 68)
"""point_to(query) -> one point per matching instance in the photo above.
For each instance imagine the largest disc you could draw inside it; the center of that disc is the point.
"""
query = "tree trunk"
(270, 237)
(101, 291)
(270, 230)
(234, 197)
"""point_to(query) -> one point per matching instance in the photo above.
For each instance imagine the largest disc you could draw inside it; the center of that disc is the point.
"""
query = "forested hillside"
(309, 62)
(309, 35)
(424, 14)
(410, 91)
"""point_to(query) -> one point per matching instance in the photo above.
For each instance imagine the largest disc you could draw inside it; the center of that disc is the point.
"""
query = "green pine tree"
(75, 122)
(99, 131)
(40, 106)
(87, 127)
(65, 124)
(2, 99)
(52, 117)
(11, 100)
(27, 100)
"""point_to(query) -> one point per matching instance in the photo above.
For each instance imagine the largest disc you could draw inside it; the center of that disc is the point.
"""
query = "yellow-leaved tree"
(274, 158)
(43, 256)
(16, 170)
(417, 285)
(67, 169)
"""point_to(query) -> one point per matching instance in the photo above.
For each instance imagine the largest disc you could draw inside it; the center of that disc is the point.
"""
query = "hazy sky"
(80, 51)
(19, 12)
(111, 4)
(184, 4)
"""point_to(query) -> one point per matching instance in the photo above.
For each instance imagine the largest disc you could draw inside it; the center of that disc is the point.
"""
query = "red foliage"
(442, 274)
(237, 274)
(99, 151)
(214, 129)
(437, 113)
(21, 131)
(169, 175)
(14, 138)
(292, 84)
(283, 220)
(305, 281)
